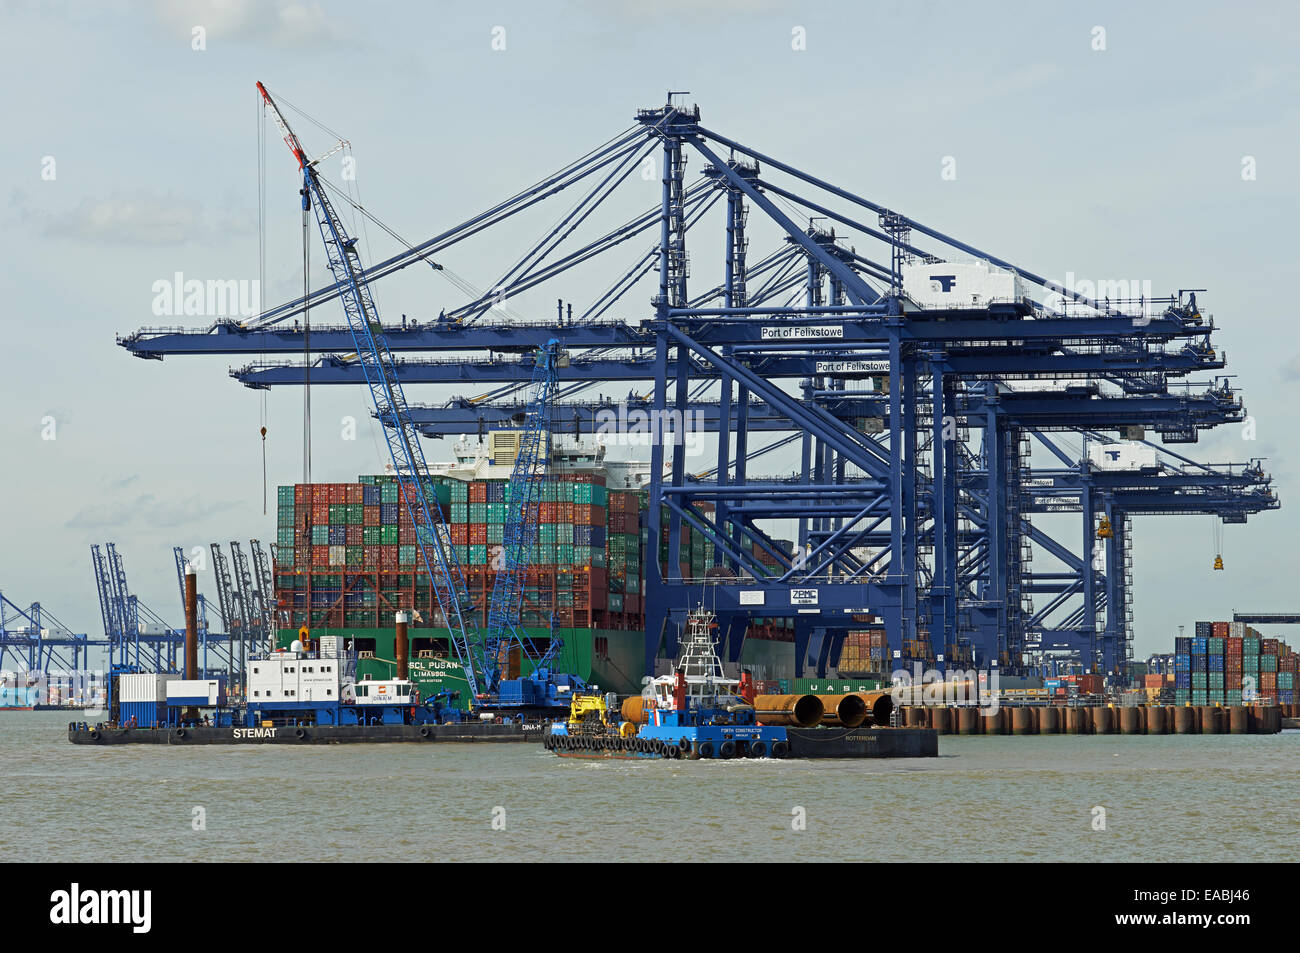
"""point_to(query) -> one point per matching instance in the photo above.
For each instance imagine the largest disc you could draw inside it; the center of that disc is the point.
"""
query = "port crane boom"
(519, 537)
(403, 439)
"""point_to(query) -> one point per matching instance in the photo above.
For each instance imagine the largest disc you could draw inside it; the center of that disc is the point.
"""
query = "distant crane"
(232, 608)
(136, 635)
(375, 359)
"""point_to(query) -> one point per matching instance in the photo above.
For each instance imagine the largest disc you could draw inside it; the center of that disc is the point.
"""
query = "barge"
(698, 713)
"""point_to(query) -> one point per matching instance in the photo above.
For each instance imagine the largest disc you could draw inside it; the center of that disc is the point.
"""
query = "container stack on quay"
(1230, 663)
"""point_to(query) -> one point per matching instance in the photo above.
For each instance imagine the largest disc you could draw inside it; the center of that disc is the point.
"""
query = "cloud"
(148, 509)
(282, 23)
(133, 218)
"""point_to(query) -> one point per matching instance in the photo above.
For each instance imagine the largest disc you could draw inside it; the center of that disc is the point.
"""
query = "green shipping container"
(320, 535)
(388, 535)
(388, 493)
(406, 555)
(284, 495)
(353, 556)
(372, 535)
(458, 513)
(284, 556)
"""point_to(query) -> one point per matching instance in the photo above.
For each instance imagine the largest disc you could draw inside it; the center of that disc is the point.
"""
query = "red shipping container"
(478, 492)
(477, 534)
(320, 493)
(301, 493)
(338, 493)
(1232, 647)
(356, 493)
(370, 516)
(370, 556)
(320, 514)
(459, 534)
(354, 535)
(320, 555)
(1232, 681)
(388, 555)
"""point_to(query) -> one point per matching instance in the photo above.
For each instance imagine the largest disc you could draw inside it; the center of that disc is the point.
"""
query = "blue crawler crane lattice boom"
(432, 537)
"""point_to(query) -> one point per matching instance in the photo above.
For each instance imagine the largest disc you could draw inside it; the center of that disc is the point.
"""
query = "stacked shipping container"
(1230, 663)
(348, 554)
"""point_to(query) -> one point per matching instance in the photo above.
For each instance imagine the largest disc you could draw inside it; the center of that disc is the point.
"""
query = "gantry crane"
(849, 348)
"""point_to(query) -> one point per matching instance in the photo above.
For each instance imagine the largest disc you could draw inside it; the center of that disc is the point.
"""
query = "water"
(1167, 798)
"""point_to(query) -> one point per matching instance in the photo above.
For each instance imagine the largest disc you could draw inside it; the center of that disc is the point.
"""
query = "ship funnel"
(795, 711)
(401, 646)
(191, 624)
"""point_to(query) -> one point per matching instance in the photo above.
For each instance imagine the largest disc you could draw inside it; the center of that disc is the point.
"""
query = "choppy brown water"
(1167, 798)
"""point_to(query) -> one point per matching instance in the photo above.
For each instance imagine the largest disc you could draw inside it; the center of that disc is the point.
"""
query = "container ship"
(347, 560)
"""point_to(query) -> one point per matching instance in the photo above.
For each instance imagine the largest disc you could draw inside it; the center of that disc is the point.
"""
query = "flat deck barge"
(308, 734)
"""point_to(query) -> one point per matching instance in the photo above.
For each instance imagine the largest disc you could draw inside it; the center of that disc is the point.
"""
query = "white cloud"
(284, 23)
(134, 218)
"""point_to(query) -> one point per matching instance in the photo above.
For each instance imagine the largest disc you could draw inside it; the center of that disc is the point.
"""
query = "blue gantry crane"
(915, 379)
(138, 638)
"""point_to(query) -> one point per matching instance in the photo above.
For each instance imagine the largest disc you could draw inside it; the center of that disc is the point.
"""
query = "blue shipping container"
(146, 714)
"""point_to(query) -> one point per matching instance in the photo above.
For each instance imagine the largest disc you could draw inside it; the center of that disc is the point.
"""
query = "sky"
(1108, 143)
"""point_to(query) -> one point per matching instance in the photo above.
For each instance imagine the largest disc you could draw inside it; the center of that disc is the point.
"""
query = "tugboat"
(697, 712)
